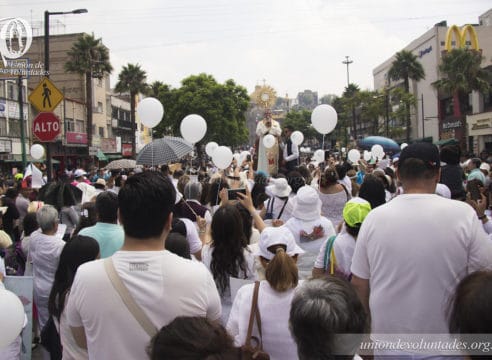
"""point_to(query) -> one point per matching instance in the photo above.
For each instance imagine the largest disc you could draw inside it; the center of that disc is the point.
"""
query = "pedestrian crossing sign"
(45, 97)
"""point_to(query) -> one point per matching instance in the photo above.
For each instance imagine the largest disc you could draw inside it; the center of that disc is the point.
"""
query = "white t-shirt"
(163, 284)
(44, 251)
(274, 309)
(319, 230)
(192, 236)
(71, 351)
(226, 300)
(414, 250)
(343, 246)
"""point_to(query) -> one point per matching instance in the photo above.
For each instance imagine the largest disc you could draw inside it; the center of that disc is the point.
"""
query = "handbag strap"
(128, 300)
(254, 312)
(283, 207)
(258, 317)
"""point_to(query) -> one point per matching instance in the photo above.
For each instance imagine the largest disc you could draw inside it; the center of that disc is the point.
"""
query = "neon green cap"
(355, 211)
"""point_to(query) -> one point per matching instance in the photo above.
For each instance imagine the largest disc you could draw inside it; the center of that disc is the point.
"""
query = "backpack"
(15, 260)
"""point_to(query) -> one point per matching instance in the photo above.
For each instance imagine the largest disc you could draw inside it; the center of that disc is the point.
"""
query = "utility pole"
(423, 119)
(20, 99)
(347, 62)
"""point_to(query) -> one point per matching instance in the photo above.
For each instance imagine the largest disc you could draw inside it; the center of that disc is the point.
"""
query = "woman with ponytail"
(277, 251)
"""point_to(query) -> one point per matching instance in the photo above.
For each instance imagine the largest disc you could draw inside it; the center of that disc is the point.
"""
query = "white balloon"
(12, 315)
(403, 146)
(319, 155)
(193, 128)
(377, 151)
(297, 138)
(37, 151)
(269, 141)
(354, 155)
(324, 118)
(210, 148)
(150, 112)
(344, 149)
(222, 157)
(367, 155)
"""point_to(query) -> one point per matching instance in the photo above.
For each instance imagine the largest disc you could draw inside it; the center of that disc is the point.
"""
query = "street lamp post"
(47, 68)
(347, 62)
(20, 100)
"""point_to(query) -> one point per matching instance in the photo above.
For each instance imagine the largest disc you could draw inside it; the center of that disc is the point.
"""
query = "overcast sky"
(292, 45)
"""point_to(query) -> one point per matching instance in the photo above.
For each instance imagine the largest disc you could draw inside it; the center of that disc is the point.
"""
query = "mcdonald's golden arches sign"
(460, 37)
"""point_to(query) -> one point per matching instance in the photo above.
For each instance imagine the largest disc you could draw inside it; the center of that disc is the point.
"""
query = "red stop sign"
(46, 126)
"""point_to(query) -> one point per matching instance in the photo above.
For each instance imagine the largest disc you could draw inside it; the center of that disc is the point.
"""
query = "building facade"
(433, 116)
(10, 123)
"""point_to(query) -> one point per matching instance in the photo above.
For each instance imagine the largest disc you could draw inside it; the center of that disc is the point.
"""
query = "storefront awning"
(101, 156)
(446, 142)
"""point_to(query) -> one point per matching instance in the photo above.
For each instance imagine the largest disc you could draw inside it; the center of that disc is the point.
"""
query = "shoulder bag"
(248, 350)
(128, 300)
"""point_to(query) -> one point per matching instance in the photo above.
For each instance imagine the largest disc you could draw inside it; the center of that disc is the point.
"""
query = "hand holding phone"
(232, 193)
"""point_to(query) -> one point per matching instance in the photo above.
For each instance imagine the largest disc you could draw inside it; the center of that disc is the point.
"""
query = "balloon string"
(323, 147)
(152, 148)
(191, 159)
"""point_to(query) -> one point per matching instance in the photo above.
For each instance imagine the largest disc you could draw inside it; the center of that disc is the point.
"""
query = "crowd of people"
(145, 263)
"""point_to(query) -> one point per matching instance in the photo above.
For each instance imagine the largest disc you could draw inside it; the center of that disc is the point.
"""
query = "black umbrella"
(163, 151)
(60, 194)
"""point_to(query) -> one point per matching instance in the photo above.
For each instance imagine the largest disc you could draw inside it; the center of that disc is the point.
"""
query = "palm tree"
(352, 100)
(89, 57)
(154, 89)
(406, 67)
(461, 74)
(132, 79)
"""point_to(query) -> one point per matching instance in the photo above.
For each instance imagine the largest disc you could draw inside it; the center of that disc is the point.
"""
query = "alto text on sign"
(46, 126)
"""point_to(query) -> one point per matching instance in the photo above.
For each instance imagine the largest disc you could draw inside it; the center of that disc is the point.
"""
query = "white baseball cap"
(484, 166)
(277, 236)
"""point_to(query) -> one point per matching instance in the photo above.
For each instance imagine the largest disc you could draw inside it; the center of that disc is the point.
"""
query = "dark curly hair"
(228, 246)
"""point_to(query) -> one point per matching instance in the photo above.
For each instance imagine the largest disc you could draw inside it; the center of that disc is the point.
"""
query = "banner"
(126, 149)
(108, 145)
(76, 138)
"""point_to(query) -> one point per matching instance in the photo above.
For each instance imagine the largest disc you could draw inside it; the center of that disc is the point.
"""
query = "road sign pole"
(49, 164)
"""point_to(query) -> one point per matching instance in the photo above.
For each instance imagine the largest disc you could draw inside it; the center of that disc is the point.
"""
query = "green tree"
(372, 106)
(132, 79)
(461, 74)
(301, 121)
(223, 106)
(401, 101)
(90, 58)
(350, 102)
(155, 88)
(327, 99)
(406, 67)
